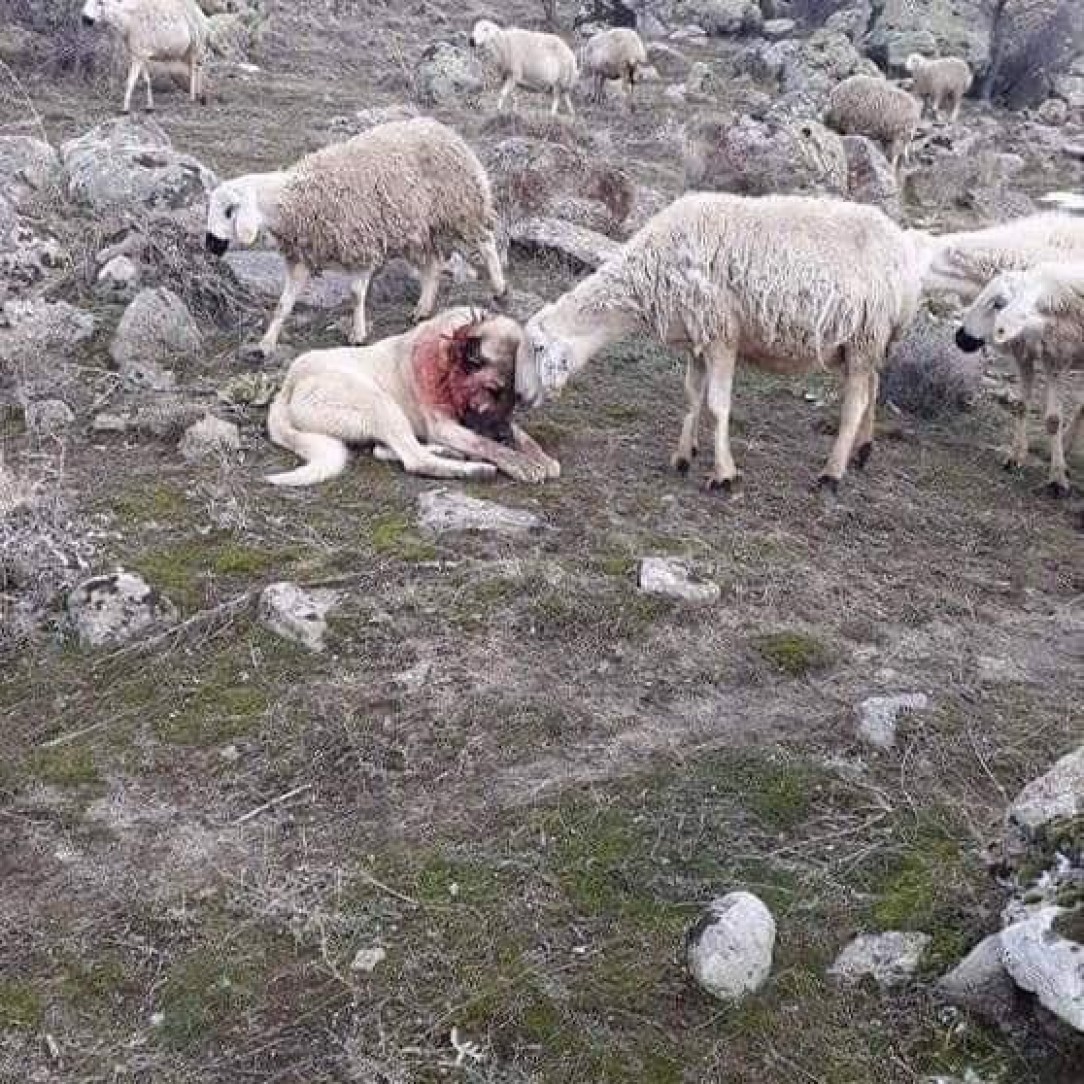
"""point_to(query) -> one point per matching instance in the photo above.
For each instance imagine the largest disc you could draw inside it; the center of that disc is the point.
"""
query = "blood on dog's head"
(472, 374)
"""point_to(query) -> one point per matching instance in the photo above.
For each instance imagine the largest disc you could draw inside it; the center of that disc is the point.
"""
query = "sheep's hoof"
(254, 353)
(682, 463)
(1010, 464)
(861, 455)
(726, 486)
(826, 483)
(1058, 489)
(149, 109)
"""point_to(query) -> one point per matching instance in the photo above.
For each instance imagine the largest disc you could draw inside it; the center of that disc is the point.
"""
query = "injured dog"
(448, 385)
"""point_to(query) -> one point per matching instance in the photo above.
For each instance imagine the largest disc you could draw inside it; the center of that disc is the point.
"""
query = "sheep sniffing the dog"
(786, 283)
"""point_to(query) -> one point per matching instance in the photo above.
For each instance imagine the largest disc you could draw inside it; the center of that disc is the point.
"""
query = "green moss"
(154, 502)
(97, 985)
(793, 653)
(20, 1006)
(393, 535)
(213, 714)
(64, 766)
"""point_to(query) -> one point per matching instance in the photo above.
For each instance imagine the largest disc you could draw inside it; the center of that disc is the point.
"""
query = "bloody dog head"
(472, 374)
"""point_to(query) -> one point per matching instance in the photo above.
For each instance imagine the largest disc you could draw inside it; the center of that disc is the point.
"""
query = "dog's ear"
(467, 347)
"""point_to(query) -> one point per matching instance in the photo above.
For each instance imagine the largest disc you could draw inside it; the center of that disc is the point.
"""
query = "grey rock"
(441, 510)
(208, 438)
(155, 326)
(870, 176)
(890, 959)
(27, 165)
(774, 29)
(699, 80)
(128, 165)
(584, 249)
(672, 578)
(48, 417)
(980, 984)
(723, 16)
(109, 423)
(878, 716)
(116, 609)
(729, 950)
(119, 275)
(37, 341)
(1046, 964)
(297, 614)
(1057, 794)
(668, 61)
(1053, 111)
(447, 74)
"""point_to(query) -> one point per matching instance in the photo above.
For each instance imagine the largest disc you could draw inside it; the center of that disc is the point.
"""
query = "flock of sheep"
(788, 283)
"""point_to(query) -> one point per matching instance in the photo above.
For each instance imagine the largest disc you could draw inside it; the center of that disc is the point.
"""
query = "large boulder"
(723, 16)
(980, 984)
(1047, 964)
(128, 165)
(813, 64)
(1056, 795)
(447, 74)
(155, 327)
(730, 948)
(934, 28)
(754, 157)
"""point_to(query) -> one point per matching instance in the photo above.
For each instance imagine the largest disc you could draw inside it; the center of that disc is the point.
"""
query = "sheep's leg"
(567, 97)
(1074, 428)
(869, 419)
(297, 277)
(147, 84)
(359, 328)
(955, 100)
(695, 380)
(507, 88)
(487, 249)
(430, 286)
(1058, 478)
(519, 465)
(1018, 450)
(133, 77)
(556, 103)
(719, 364)
(856, 389)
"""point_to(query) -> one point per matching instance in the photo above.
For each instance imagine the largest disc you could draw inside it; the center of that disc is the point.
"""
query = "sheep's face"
(483, 33)
(233, 215)
(1001, 313)
(915, 60)
(544, 364)
(92, 11)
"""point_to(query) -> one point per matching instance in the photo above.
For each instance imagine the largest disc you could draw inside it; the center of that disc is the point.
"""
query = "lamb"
(529, 59)
(450, 380)
(872, 106)
(1038, 317)
(963, 263)
(614, 54)
(408, 188)
(939, 83)
(155, 30)
(787, 283)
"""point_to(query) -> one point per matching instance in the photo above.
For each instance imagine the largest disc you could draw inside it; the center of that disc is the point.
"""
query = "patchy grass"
(793, 653)
(21, 1008)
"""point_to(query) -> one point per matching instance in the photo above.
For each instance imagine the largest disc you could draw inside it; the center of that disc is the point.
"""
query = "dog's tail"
(325, 456)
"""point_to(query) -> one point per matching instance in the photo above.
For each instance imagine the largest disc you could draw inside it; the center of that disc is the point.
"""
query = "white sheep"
(614, 54)
(529, 59)
(155, 30)
(940, 83)
(1073, 202)
(406, 188)
(872, 106)
(787, 283)
(964, 262)
(1037, 316)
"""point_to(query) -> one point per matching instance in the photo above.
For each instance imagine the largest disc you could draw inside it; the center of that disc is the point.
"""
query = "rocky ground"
(398, 781)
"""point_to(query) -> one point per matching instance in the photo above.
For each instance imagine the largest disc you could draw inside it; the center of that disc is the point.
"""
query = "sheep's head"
(914, 62)
(233, 214)
(483, 33)
(92, 11)
(545, 362)
(1003, 312)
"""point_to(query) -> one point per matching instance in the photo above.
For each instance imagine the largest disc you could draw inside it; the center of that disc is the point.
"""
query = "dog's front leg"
(512, 462)
(526, 444)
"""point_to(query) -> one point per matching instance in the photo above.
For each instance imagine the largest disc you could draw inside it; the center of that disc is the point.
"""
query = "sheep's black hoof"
(1058, 490)
(826, 484)
(1010, 465)
(725, 486)
(861, 455)
(149, 109)
(681, 464)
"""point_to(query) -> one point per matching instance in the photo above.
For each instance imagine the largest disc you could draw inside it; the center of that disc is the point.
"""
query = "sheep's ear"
(248, 220)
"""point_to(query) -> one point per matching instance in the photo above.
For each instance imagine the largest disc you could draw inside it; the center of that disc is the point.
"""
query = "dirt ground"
(513, 773)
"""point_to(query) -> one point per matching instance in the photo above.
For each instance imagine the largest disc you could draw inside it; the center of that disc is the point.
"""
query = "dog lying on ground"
(446, 386)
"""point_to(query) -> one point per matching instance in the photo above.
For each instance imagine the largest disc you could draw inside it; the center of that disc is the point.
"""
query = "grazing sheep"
(939, 83)
(450, 380)
(155, 30)
(1037, 316)
(407, 188)
(786, 283)
(871, 106)
(963, 263)
(529, 59)
(614, 54)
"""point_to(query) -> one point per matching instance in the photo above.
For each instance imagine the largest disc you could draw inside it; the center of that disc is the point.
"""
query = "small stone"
(878, 716)
(116, 608)
(729, 950)
(441, 510)
(367, 959)
(109, 423)
(48, 417)
(774, 29)
(156, 325)
(671, 578)
(120, 274)
(210, 437)
(297, 614)
(1046, 964)
(1057, 794)
(890, 959)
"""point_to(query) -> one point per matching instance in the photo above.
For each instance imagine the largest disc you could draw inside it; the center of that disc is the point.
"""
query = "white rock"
(672, 578)
(878, 715)
(119, 274)
(888, 958)
(980, 983)
(440, 510)
(208, 437)
(1059, 793)
(116, 608)
(367, 959)
(730, 949)
(295, 614)
(1048, 965)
